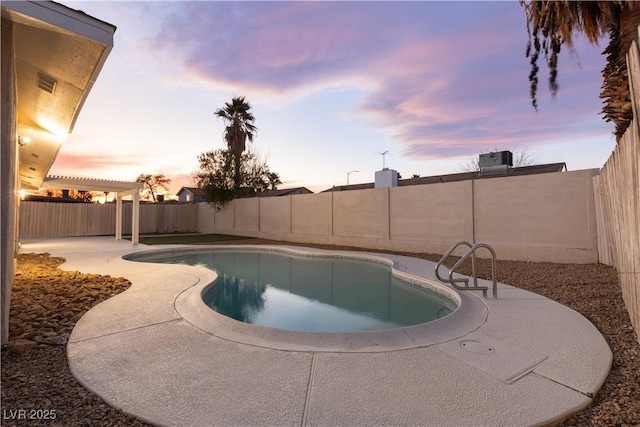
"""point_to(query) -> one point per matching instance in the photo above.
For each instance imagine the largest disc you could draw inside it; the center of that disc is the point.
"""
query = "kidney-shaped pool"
(303, 299)
(310, 293)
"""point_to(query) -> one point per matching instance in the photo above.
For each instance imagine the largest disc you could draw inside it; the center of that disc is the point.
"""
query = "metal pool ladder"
(471, 251)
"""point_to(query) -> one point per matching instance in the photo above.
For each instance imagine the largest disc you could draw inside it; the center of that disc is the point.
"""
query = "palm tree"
(239, 129)
(552, 23)
(274, 180)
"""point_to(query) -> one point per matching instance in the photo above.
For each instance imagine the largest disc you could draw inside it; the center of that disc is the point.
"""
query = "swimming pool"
(312, 294)
(469, 314)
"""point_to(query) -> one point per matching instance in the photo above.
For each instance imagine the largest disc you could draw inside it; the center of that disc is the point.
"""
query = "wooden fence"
(617, 196)
(40, 219)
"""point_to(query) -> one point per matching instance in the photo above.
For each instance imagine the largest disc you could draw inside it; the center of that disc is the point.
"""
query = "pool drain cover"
(476, 347)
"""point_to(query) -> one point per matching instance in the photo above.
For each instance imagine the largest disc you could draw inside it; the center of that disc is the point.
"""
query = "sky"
(332, 85)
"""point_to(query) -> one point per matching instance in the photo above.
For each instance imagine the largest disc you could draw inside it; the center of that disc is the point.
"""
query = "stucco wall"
(224, 219)
(8, 180)
(206, 218)
(275, 214)
(247, 215)
(361, 214)
(548, 217)
(431, 217)
(312, 214)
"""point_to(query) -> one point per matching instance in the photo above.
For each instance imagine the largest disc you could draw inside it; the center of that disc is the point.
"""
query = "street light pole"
(349, 173)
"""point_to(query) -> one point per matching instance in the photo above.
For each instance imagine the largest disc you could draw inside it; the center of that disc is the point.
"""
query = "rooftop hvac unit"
(496, 159)
(498, 163)
(495, 170)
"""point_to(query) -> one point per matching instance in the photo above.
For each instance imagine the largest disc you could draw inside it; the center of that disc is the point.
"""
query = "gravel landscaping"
(47, 302)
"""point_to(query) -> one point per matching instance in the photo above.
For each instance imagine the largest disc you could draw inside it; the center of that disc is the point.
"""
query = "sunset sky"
(332, 85)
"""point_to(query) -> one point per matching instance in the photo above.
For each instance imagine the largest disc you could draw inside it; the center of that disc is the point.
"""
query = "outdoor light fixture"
(23, 140)
(349, 173)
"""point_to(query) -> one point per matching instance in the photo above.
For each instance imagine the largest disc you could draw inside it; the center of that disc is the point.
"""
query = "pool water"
(311, 293)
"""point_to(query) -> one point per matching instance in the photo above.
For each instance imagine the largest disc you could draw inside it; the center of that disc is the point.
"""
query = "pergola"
(120, 188)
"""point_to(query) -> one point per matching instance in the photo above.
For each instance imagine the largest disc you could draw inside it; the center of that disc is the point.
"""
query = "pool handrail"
(471, 251)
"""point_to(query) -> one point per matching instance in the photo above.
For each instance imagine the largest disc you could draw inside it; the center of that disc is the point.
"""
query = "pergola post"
(135, 219)
(118, 216)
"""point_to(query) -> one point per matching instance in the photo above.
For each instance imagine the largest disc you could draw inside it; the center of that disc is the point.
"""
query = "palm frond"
(552, 23)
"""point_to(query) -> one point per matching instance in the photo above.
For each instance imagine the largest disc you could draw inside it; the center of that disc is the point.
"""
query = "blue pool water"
(310, 293)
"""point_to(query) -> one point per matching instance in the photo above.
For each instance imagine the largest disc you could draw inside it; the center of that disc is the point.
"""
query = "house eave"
(66, 46)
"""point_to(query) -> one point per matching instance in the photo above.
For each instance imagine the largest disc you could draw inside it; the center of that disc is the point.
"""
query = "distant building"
(195, 195)
(191, 195)
(284, 192)
(47, 199)
(464, 176)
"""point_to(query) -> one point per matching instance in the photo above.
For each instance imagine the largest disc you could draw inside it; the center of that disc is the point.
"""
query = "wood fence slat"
(618, 203)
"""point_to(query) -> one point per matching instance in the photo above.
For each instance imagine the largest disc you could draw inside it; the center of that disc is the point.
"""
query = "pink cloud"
(179, 181)
(445, 78)
(87, 164)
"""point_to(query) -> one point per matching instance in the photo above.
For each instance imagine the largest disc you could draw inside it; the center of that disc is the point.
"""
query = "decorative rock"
(21, 345)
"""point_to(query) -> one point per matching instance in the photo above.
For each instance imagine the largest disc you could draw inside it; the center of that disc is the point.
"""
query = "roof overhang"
(59, 53)
(123, 188)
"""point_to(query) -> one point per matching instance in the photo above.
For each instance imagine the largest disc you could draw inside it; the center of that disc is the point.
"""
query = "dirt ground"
(38, 389)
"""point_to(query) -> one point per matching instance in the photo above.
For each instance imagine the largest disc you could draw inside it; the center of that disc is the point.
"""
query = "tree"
(522, 156)
(239, 128)
(274, 180)
(83, 195)
(151, 184)
(551, 24)
(217, 177)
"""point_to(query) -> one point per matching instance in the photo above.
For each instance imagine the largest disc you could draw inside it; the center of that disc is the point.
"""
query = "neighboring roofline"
(282, 192)
(461, 176)
(193, 190)
(266, 193)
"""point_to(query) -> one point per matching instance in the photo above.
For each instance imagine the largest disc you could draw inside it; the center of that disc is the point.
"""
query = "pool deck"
(517, 360)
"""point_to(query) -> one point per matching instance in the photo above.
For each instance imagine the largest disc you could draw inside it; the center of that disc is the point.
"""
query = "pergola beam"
(90, 184)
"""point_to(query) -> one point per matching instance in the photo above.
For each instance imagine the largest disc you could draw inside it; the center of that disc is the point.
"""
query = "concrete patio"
(521, 359)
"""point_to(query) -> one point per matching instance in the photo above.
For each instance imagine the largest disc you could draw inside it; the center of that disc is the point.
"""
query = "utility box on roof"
(496, 159)
(386, 178)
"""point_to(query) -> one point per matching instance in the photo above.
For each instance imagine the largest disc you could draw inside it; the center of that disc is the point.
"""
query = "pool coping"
(531, 362)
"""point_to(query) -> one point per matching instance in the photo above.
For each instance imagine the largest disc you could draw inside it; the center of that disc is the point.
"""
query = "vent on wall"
(47, 83)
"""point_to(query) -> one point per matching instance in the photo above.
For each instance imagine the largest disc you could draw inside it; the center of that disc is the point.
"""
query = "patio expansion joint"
(307, 399)
(126, 330)
(584, 393)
